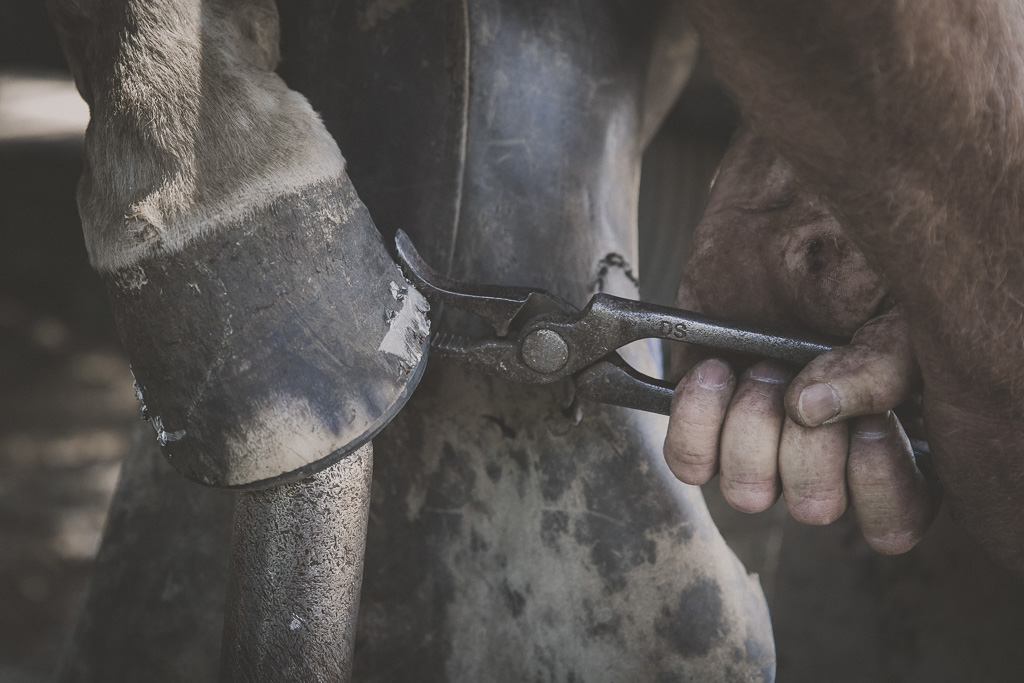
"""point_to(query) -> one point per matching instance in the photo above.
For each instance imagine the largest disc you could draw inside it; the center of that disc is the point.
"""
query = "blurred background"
(841, 613)
(66, 402)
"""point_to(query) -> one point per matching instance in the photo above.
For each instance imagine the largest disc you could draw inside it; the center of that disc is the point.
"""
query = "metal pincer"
(540, 338)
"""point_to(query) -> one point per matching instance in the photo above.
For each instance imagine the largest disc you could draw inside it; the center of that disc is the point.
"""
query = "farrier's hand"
(767, 252)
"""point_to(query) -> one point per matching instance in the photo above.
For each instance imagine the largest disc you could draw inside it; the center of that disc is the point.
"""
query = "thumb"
(875, 373)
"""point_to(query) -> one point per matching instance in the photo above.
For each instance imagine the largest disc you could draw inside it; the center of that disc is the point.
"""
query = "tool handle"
(632, 320)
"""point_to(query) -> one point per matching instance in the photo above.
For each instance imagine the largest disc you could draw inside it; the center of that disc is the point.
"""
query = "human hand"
(768, 252)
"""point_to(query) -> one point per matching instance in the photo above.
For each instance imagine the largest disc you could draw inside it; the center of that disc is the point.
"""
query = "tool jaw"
(505, 308)
(513, 353)
(541, 338)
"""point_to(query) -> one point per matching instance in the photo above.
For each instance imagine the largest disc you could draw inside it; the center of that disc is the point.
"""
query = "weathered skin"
(769, 252)
(506, 541)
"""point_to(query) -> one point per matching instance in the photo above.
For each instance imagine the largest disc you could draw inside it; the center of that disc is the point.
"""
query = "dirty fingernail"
(713, 374)
(872, 426)
(818, 403)
(770, 373)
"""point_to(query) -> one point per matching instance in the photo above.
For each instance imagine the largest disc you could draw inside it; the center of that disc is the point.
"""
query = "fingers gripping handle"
(610, 322)
(614, 382)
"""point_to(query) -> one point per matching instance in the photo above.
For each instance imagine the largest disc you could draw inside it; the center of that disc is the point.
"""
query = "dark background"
(66, 402)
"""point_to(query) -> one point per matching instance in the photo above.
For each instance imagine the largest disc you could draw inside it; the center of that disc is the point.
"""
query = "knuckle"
(689, 461)
(755, 409)
(697, 439)
(691, 405)
(877, 386)
(697, 423)
(695, 472)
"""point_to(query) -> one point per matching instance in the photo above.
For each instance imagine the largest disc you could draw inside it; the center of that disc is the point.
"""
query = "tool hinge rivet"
(545, 351)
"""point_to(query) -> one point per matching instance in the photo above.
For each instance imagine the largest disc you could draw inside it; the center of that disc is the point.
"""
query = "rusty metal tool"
(541, 338)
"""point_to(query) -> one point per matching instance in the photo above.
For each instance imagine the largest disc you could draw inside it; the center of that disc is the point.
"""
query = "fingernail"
(872, 426)
(770, 373)
(818, 403)
(713, 374)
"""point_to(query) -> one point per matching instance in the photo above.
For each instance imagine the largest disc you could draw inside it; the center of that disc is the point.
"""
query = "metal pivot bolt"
(545, 351)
